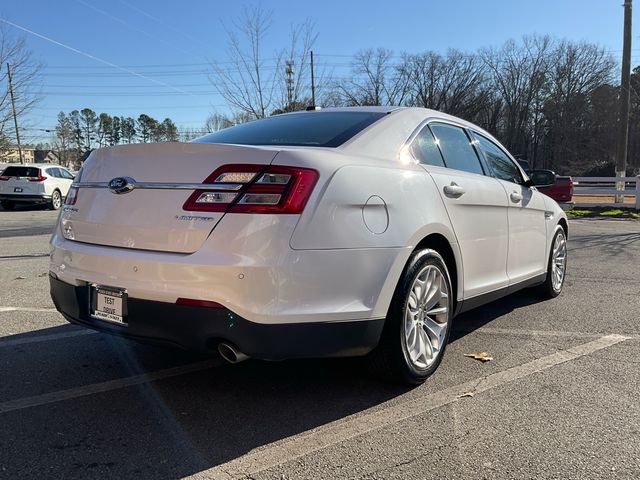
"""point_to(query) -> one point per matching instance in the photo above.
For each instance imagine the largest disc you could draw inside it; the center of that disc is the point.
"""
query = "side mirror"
(542, 178)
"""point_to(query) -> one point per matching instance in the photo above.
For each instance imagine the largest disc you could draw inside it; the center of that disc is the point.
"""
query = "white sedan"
(34, 183)
(340, 232)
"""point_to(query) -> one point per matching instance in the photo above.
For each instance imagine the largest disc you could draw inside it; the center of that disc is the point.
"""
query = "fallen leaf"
(466, 394)
(43, 274)
(482, 356)
(20, 278)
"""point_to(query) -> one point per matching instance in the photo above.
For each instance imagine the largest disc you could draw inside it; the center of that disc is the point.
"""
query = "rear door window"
(456, 148)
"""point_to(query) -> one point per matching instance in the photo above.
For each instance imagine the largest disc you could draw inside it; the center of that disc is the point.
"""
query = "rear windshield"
(21, 172)
(313, 129)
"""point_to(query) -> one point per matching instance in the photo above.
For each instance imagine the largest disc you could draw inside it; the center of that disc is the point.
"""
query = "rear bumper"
(202, 329)
(18, 197)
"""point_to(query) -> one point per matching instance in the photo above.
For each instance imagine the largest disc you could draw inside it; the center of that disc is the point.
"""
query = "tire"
(396, 357)
(56, 200)
(556, 265)
(7, 204)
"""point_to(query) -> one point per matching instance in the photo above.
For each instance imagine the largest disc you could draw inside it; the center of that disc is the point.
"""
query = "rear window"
(21, 172)
(312, 129)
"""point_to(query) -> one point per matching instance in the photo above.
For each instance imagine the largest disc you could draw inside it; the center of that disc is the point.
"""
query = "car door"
(476, 204)
(527, 221)
(65, 181)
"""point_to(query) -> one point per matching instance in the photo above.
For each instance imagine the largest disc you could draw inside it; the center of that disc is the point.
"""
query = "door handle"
(515, 197)
(454, 190)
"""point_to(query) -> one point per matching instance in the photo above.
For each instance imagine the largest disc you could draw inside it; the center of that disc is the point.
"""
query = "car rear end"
(20, 184)
(561, 191)
(190, 244)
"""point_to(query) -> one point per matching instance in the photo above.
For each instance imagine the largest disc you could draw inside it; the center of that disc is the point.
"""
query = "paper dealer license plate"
(109, 303)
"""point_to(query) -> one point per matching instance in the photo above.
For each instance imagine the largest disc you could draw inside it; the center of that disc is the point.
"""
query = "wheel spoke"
(435, 329)
(426, 316)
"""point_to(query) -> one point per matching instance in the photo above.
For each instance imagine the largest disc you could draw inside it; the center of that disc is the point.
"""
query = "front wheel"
(56, 200)
(418, 323)
(556, 266)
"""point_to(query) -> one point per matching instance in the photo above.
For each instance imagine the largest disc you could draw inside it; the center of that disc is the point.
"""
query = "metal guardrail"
(595, 184)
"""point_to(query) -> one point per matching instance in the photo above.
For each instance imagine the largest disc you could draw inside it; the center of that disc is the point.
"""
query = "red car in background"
(562, 189)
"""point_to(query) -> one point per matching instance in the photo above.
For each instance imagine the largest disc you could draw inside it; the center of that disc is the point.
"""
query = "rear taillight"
(254, 189)
(72, 196)
(39, 178)
(3, 178)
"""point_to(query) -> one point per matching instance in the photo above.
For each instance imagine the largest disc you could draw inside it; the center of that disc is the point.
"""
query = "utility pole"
(289, 73)
(623, 120)
(313, 84)
(15, 116)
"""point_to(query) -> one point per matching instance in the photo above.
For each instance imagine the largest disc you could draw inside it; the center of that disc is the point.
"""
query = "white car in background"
(340, 232)
(34, 183)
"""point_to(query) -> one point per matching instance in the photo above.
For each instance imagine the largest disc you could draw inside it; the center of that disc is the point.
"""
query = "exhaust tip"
(231, 354)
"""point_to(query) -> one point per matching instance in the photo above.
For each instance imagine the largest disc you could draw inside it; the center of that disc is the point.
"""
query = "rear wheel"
(7, 204)
(418, 323)
(56, 200)
(557, 265)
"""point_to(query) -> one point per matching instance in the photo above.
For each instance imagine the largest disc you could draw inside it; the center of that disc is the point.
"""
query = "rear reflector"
(254, 189)
(72, 196)
(198, 303)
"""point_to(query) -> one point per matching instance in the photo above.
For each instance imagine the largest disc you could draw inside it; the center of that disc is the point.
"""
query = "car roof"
(35, 165)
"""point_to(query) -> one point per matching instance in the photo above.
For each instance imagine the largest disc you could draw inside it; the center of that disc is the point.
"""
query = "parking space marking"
(342, 430)
(546, 333)
(27, 309)
(71, 393)
(43, 338)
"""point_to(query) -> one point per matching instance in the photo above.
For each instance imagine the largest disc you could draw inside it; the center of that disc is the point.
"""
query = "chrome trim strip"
(167, 186)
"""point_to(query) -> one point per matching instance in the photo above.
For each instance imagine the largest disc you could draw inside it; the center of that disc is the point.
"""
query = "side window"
(502, 166)
(66, 174)
(456, 148)
(53, 172)
(424, 148)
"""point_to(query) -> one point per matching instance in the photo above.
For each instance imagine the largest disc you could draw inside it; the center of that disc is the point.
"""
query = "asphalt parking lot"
(559, 400)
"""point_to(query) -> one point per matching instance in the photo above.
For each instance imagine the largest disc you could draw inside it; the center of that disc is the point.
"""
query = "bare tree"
(25, 72)
(518, 72)
(217, 121)
(245, 81)
(454, 83)
(576, 70)
(375, 80)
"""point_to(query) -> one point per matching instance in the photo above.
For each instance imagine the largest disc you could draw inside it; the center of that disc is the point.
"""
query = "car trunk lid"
(150, 216)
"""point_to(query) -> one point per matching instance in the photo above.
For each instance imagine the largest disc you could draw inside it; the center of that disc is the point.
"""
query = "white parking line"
(27, 309)
(43, 338)
(545, 333)
(60, 395)
(356, 425)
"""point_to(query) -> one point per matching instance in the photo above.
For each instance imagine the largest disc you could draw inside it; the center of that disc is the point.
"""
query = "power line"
(88, 55)
(134, 28)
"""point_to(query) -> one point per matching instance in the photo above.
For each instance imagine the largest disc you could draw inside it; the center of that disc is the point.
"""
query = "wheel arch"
(565, 226)
(436, 240)
(440, 244)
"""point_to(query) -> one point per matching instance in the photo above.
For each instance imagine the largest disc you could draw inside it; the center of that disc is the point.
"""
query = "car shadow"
(176, 426)
(472, 320)
(171, 428)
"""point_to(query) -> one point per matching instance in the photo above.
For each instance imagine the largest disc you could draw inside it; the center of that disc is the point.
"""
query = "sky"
(165, 49)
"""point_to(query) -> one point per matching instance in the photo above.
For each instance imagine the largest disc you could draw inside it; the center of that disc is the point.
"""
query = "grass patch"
(606, 212)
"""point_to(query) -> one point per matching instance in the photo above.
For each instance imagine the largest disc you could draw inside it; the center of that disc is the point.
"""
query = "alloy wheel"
(426, 316)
